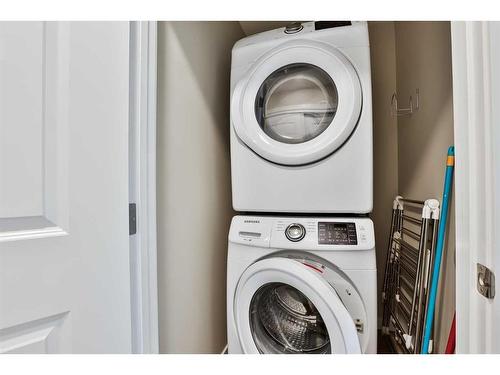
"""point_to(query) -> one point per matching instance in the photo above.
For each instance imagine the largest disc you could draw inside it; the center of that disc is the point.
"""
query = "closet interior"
(411, 72)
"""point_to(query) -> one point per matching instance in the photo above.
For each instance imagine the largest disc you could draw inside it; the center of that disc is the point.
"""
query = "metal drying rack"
(407, 278)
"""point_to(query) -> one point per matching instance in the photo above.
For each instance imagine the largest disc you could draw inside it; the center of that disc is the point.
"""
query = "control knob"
(295, 232)
(293, 28)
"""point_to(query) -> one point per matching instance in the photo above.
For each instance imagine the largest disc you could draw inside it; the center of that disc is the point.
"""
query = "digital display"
(321, 25)
(331, 233)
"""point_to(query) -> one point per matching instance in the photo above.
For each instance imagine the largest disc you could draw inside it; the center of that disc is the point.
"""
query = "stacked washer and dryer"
(301, 274)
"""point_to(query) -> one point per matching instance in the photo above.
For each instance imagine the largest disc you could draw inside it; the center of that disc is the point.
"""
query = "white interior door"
(64, 247)
(476, 94)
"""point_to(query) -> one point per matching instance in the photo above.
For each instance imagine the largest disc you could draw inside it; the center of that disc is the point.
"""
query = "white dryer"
(301, 120)
(301, 285)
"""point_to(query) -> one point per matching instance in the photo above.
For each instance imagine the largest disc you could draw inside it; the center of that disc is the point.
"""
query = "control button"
(293, 28)
(295, 232)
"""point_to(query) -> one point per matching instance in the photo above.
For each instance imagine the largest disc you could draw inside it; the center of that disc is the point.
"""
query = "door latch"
(485, 281)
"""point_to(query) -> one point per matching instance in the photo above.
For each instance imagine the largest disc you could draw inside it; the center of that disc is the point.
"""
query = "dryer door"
(283, 306)
(298, 103)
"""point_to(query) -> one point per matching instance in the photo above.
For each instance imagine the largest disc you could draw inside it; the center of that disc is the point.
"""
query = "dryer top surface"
(354, 35)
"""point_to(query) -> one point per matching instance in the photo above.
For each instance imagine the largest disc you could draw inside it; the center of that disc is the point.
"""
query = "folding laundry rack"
(407, 278)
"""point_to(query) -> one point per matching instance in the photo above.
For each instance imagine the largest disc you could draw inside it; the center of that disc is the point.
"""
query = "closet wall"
(423, 59)
(385, 139)
(194, 187)
(406, 56)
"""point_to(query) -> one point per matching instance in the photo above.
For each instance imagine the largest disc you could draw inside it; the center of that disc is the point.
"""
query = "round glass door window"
(283, 320)
(296, 103)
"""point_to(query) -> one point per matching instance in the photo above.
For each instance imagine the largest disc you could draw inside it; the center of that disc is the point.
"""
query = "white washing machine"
(301, 285)
(301, 120)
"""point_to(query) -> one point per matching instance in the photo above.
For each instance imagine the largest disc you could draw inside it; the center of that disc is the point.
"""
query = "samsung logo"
(252, 221)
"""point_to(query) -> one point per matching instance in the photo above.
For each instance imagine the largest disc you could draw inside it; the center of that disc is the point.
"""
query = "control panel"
(307, 233)
(334, 233)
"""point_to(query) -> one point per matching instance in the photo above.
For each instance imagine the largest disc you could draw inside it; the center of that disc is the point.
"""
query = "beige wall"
(255, 27)
(194, 189)
(423, 58)
(385, 138)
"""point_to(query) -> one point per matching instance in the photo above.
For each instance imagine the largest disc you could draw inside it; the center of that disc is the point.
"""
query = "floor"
(384, 345)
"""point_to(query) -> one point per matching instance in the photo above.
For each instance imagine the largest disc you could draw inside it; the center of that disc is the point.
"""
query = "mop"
(439, 250)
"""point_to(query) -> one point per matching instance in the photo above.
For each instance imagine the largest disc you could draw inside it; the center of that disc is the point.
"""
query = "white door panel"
(64, 246)
(21, 84)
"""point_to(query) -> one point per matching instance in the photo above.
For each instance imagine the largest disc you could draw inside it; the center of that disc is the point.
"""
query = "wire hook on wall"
(396, 111)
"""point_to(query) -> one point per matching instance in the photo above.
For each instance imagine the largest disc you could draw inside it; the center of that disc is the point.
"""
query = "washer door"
(299, 103)
(283, 306)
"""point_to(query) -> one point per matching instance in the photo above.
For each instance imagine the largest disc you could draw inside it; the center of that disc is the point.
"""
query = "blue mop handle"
(450, 162)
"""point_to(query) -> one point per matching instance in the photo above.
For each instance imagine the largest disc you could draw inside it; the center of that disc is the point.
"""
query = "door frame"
(476, 179)
(142, 186)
